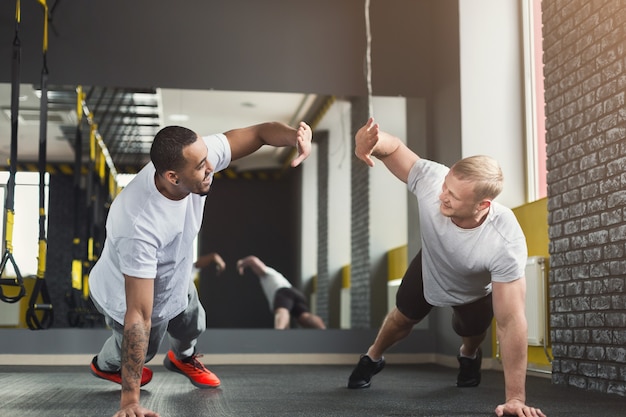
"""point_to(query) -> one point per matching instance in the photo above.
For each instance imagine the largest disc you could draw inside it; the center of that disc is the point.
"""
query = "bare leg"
(311, 321)
(281, 318)
(396, 327)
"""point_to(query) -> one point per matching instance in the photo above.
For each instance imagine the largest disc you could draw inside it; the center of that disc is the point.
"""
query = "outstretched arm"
(255, 264)
(371, 141)
(512, 330)
(247, 140)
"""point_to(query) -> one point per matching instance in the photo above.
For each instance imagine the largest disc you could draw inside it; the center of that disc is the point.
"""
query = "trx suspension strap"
(40, 289)
(10, 200)
(81, 310)
(79, 292)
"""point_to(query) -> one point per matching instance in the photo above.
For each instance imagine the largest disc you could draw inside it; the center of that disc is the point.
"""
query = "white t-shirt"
(150, 236)
(271, 282)
(458, 264)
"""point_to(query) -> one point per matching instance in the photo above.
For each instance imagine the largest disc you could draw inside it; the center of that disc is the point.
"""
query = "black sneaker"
(364, 371)
(469, 370)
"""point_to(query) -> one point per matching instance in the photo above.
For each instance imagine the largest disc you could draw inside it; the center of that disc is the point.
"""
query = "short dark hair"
(167, 147)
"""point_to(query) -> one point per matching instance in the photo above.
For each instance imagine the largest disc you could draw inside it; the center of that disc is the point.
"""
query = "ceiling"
(126, 120)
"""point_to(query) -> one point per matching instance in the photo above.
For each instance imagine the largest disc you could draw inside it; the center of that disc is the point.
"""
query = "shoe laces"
(193, 361)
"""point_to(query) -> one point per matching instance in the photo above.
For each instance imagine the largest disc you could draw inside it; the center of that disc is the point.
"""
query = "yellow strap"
(80, 96)
(102, 168)
(86, 286)
(45, 25)
(77, 274)
(92, 142)
(18, 12)
(90, 249)
(9, 232)
(41, 261)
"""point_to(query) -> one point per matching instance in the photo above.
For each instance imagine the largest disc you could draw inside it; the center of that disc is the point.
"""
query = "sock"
(187, 353)
(466, 356)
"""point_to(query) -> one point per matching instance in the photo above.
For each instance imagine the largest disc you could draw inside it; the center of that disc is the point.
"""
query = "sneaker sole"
(170, 366)
(468, 384)
(101, 375)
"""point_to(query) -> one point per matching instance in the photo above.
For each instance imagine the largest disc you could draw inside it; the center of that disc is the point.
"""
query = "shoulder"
(428, 170)
(219, 152)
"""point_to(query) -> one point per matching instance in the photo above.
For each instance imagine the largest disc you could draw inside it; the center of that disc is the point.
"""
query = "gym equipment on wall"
(17, 281)
(82, 312)
(45, 318)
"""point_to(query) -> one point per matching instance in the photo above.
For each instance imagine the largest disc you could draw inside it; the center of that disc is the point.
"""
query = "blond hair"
(484, 171)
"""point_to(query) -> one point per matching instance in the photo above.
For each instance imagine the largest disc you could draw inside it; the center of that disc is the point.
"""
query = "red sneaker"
(146, 373)
(193, 369)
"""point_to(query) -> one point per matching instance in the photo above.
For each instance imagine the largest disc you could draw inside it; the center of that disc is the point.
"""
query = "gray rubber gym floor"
(288, 390)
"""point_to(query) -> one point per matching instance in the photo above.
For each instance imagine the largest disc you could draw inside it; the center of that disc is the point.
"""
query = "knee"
(401, 320)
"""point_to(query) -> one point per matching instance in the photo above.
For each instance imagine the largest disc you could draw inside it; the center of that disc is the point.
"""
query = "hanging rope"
(40, 289)
(10, 200)
(368, 58)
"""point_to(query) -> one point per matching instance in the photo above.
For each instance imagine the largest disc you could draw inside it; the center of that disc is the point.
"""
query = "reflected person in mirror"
(284, 300)
(142, 283)
(473, 259)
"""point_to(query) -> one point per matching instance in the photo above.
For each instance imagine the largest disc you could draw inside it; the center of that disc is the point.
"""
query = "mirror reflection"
(260, 207)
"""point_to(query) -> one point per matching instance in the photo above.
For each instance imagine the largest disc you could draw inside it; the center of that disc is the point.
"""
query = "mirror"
(260, 208)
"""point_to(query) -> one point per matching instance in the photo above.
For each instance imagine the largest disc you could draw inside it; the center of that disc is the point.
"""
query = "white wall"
(492, 99)
(337, 121)
(309, 218)
(388, 196)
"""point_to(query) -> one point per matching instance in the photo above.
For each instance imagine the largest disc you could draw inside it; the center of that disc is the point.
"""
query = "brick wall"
(360, 307)
(585, 80)
(323, 284)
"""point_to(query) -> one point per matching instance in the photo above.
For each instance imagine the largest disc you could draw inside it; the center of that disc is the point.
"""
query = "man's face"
(197, 174)
(457, 198)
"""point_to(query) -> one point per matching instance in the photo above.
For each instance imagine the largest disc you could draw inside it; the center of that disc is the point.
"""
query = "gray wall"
(315, 46)
(585, 83)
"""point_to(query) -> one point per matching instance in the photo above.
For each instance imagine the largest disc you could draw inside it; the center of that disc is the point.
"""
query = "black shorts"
(291, 299)
(470, 319)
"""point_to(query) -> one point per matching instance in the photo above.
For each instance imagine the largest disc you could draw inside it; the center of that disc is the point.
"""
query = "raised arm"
(255, 264)
(512, 331)
(137, 323)
(247, 140)
(371, 141)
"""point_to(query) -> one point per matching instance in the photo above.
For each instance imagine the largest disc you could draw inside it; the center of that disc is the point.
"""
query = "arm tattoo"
(134, 348)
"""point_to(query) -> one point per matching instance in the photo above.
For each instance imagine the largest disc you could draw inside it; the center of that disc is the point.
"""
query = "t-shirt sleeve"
(219, 151)
(424, 175)
(509, 263)
(138, 257)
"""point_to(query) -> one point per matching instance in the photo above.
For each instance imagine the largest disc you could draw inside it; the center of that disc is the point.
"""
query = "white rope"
(368, 58)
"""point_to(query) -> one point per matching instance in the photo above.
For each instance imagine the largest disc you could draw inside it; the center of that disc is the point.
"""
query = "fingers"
(365, 141)
(136, 411)
(520, 411)
(243, 263)
(303, 143)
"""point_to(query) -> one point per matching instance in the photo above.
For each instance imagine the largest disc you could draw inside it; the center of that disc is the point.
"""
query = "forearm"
(277, 134)
(514, 351)
(387, 144)
(134, 348)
